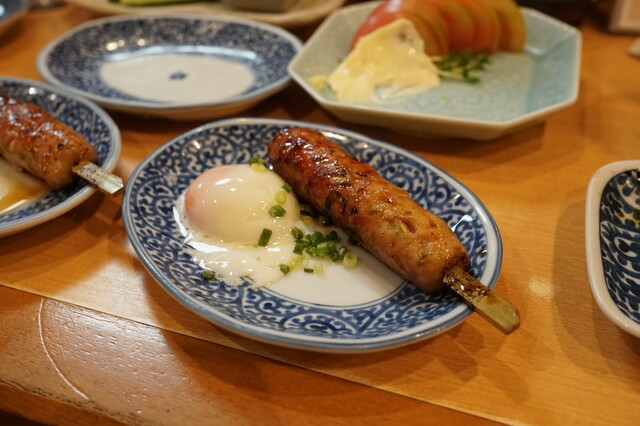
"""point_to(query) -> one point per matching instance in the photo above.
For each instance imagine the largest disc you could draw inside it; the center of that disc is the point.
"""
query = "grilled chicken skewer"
(37, 142)
(383, 218)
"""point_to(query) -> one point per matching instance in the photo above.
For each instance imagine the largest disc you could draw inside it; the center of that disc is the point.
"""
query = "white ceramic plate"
(304, 12)
(179, 67)
(516, 90)
(10, 12)
(82, 116)
(613, 242)
(365, 309)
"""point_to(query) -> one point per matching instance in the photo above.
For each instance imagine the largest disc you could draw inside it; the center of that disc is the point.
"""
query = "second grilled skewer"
(383, 218)
(34, 140)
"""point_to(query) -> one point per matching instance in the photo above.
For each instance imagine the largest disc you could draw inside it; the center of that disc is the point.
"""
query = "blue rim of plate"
(84, 117)
(84, 47)
(612, 229)
(263, 314)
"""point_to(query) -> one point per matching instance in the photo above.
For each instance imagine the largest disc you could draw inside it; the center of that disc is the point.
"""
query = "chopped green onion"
(264, 237)
(299, 247)
(208, 275)
(308, 220)
(285, 268)
(306, 210)
(277, 211)
(459, 65)
(287, 187)
(281, 196)
(256, 160)
(350, 260)
(323, 220)
(257, 164)
(308, 270)
(297, 233)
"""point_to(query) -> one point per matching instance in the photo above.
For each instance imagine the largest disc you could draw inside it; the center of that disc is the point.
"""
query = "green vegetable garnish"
(287, 187)
(277, 211)
(285, 269)
(460, 65)
(265, 237)
(306, 210)
(208, 275)
(281, 197)
(350, 260)
(256, 160)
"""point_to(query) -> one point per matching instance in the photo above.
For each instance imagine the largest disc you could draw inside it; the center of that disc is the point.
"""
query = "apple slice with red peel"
(487, 29)
(513, 27)
(433, 31)
(460, 22)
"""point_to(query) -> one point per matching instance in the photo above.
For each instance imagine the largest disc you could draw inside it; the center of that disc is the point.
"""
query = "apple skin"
(460, 22)
(432, 18)
(434, 32)
(482, 26)
(487, 33)
(513, 27)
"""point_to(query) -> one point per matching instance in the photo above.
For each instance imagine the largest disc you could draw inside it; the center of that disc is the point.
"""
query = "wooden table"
(86, 334)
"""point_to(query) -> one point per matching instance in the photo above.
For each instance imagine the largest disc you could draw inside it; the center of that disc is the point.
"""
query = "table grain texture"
(88, 337)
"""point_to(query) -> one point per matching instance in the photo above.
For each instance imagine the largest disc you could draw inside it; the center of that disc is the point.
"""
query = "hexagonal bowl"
(516, 90)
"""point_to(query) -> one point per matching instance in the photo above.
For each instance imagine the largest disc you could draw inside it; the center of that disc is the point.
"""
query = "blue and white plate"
(302, 13)
(11, 11)
(515, 91)
(613, 242)
(180, 67)
(370, 308)
(84, 117)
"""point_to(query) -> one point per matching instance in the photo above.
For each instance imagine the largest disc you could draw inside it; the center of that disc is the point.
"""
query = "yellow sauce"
(17, 187)
(385, 64)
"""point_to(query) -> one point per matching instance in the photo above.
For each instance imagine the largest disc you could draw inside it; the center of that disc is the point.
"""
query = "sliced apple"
(513, 27)
(487, 30)
(433, 32)
(432, 18)
(459, 21)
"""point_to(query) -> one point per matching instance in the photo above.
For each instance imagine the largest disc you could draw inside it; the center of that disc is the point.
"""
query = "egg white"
(222, 215)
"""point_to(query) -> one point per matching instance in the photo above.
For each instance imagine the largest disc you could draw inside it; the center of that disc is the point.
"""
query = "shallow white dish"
(304, 12)
(370, 308)
(178, 67)
(82, 116)
(515, 91)
(612, 237)
(10, 12)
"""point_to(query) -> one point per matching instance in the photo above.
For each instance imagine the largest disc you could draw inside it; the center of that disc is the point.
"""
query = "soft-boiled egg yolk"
(232, 203)
(223, 214)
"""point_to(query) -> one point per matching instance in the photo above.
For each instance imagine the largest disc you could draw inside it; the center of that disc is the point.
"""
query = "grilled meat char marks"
(381, 217)
(34, 140)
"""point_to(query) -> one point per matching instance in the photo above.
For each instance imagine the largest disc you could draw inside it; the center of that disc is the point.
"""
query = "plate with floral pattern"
(613, 242)
(84, 117)
(368, 308)
(185, 67)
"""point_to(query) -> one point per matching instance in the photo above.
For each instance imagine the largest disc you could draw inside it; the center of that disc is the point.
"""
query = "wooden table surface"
(87, 335)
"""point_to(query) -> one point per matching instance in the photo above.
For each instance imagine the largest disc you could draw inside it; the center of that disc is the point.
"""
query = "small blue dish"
(515, 91)
(364, 311)
(613, 242)
(84, 117)
(180, 67)
(11, 11)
